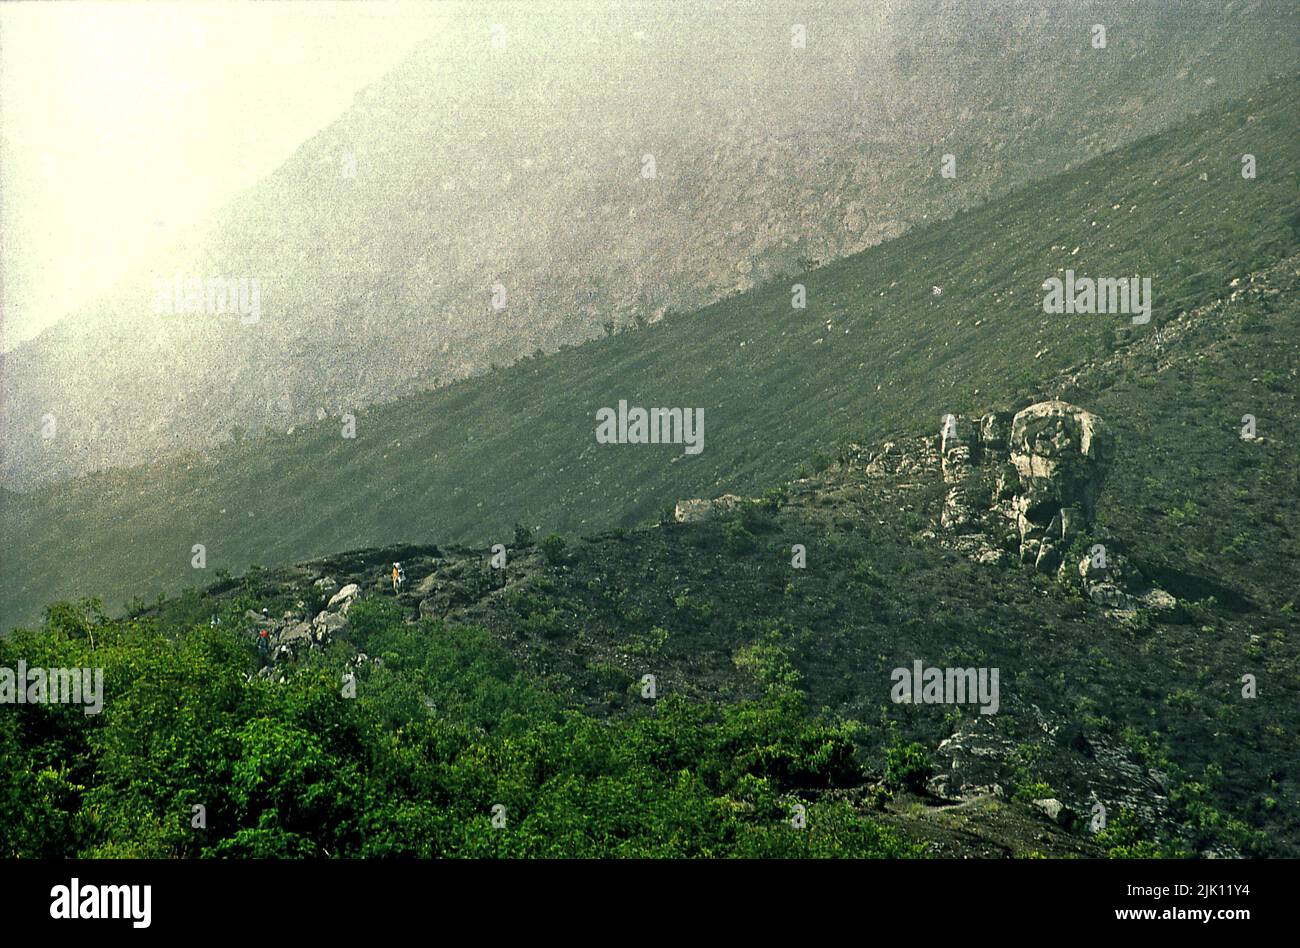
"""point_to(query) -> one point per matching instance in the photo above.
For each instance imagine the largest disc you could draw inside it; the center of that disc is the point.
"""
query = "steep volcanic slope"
(876, 351)
(377, 247)
(1115, 714)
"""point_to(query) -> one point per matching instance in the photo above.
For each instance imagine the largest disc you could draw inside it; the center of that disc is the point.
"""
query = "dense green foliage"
(443, 729)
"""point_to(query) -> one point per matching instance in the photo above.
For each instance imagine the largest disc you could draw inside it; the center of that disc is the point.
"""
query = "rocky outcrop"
(699, 511)
(296, 635)
(1038, 472)
(955, 463)
(969, 448)
(1026, 484)
(344, 597)
(327, 623)
(1084, 768)
(1061, 454)
(1109, 579)
(292, 635)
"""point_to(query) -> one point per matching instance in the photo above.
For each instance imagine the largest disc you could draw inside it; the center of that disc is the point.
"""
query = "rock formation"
(697, 510)
(1028, 484)
(1061, 454)
(955, 462)
(1019, 486)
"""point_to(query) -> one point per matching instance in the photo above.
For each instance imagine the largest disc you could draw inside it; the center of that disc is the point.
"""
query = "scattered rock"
(699, 511)
(344, 595)
(1057, 812)
(1110, 580)
(982, 750)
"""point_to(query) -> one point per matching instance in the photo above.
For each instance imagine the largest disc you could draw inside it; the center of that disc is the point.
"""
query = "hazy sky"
(123, 123)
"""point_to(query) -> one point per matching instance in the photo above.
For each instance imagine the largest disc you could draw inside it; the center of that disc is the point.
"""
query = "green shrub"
(907, 766)
(1124, 837)
(736, 539)
(553, 548)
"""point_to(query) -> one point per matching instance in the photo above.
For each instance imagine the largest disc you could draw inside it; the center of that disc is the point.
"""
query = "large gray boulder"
(326, 624)
(297, 634)
(1061, 454)
(344, 596)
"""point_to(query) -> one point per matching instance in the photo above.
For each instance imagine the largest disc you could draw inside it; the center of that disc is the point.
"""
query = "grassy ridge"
(875, 352)
(478, 707)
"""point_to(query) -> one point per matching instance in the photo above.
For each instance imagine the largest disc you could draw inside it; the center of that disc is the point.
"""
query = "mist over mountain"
(875, 352)
(628, 430)
(503, 192)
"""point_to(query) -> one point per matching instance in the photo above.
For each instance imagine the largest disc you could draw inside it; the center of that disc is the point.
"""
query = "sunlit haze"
(126, 123)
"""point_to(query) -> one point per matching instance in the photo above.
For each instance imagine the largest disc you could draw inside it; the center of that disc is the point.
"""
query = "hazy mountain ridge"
(380, 284)
(464, 463)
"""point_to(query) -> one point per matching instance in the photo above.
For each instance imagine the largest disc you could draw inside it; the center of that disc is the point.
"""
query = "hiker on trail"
(264, 639)
(399, 577)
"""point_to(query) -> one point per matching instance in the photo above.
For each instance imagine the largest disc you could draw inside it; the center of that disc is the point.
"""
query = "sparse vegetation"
(525, 691)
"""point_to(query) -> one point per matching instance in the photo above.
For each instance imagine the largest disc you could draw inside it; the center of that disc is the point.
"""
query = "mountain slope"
(522, 167)
(876, 351)
(723, 684)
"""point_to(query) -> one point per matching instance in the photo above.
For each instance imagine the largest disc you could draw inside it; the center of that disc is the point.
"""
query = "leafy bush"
(769, 663)
(907, 766)
(1125, 838)
(553, 549)
(736, 539)
(367, 616)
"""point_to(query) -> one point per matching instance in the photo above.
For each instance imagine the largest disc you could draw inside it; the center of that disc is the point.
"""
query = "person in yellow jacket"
(399, 577)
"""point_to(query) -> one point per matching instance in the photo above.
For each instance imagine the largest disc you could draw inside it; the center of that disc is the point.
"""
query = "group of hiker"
(264, 628)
